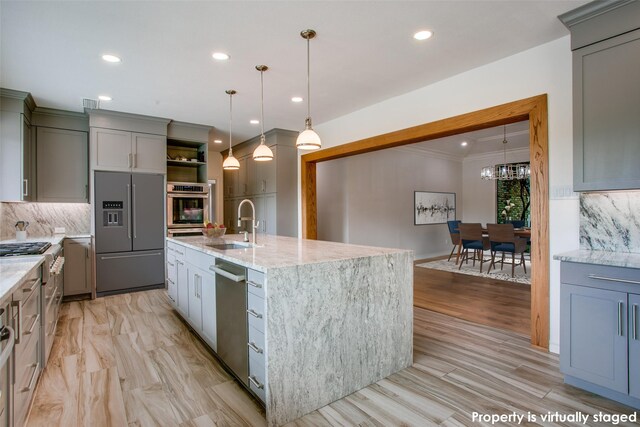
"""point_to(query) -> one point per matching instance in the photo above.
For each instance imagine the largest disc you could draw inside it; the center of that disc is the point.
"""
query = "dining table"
(519, 232)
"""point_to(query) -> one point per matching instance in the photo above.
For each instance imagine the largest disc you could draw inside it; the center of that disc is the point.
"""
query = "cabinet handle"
(86, 191)
(129, 211)
(170, 281)
(18, 306)
(254, 313)
(171, 264)
(181, 253)
(254, 284)
(620, 316)
(613, 279)
(135, 160)
(86, 253)
(25, 187)
(129, 163)
(255, 382)
(254, 347)
(32, 381)
(634, 320)
(33, 325)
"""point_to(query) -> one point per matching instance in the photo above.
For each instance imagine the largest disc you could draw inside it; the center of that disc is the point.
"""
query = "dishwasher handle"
(224, 273)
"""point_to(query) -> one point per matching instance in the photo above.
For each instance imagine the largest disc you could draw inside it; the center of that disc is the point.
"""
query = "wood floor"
(130, 361)
(481, 300)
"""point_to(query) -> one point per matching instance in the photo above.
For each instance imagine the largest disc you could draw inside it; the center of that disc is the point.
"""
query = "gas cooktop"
(23, 248)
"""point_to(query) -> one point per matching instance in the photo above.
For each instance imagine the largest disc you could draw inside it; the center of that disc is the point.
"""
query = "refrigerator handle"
(133, 203)
(129, 212)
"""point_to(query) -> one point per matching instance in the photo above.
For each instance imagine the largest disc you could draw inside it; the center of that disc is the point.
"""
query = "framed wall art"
(433, 208)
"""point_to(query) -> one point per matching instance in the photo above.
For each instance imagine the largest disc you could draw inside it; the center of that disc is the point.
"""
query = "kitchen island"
(335, 317)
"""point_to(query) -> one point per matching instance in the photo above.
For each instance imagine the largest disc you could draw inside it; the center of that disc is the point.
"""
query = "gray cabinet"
(271, 185)
(182, 290)
(124, 151)
(208, 299)
(77, 272)
(594, 344)
(605, 39)
(16, 145)
(62, 165)
(194, 285)
(599, 330)
(634, 345)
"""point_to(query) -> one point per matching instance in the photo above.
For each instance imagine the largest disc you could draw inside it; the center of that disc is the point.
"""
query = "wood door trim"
(533, 109)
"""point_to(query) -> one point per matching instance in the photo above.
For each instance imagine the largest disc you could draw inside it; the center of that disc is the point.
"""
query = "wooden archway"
(533, 109)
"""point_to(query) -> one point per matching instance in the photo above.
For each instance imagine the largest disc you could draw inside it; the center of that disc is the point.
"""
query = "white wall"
(479, 195)
(543, 69)
(368, 199)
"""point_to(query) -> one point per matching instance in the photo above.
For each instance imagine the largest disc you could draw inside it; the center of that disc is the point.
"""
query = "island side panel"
(334, 328)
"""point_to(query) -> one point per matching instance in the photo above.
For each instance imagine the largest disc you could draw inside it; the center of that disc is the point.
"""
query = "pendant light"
(506, 171)
(262, 153)
(230, 163)
(308, 138)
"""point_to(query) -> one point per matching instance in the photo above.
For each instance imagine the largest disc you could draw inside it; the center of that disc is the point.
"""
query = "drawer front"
(178, 251)
(51, 319)
(29, 319)
(200, 259)
(601, 276)
(255, 283)
(256, 312)
(256, 343)
(27, 371)
(257, 379)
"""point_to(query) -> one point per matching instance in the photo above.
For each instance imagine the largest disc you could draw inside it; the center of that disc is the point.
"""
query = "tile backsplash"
(44, 217)
(610, 221)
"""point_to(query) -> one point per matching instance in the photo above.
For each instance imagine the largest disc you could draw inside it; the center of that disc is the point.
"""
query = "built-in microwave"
(189, 205)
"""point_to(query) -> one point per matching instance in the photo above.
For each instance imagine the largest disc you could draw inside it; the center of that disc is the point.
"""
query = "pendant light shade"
(230, 163)
(308, 138)
(262, 153)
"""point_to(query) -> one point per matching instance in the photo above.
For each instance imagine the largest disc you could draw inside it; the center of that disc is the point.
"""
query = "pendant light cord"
(308, 81)
(230, 122)
(262, 103)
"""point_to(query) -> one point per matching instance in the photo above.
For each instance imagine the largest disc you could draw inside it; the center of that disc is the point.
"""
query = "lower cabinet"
(182, 287)
(599, 330)
(77, 272)
(172, 276)
(194, 285)
(256, 319)
(208, 299)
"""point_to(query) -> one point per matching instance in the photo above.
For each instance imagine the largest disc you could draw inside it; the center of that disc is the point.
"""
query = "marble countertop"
(279, 251)
(14, 270)
(56, 239)
(616, 259)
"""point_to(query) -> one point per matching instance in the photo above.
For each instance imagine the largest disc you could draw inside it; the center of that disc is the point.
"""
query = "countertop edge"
(613, 259)
(8, 292)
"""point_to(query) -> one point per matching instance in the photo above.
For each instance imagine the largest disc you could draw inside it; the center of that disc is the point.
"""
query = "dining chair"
(503, 239)
(455, 238)
(471, 238)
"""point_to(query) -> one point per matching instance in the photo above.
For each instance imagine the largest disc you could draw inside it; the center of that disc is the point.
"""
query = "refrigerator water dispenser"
(112, 213)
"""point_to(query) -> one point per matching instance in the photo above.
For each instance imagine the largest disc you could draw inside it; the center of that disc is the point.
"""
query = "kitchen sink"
(227, 246)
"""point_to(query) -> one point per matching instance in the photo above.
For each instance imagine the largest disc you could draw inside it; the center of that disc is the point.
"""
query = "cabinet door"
(242, 186)
(182, 286)
(594, 336)
(172, 276)
(270, 214)
(149, 153)
(252, 175)
(28, 166)
(110, 150)
(230, 178)
(268, 173)
(606, 111)
(77, 266)
(194, 277)
(208, 299)
(634, 345)
(62, 165)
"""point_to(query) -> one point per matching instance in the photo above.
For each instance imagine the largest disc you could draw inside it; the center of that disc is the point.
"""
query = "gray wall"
(368, 199)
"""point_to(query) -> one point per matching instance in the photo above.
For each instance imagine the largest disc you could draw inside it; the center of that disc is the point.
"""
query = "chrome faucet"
(254, 223)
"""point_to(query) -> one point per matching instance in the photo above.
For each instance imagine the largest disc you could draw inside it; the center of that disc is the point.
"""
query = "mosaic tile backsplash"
(610, 221)
(44, 217)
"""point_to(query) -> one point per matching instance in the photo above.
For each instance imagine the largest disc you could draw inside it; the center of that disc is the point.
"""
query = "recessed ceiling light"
(423, 35)
(217, 141)
(296, 99)
(254, 122)
(104, 98)
(463, 143)
(220, 56)
(111, 58)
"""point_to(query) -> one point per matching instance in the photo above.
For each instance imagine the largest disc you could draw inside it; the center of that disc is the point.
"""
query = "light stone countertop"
(55, 239)
(280, 251)
(616, 259)
(14, 270)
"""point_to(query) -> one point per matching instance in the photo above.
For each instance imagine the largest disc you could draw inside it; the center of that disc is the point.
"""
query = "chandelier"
(506, 171)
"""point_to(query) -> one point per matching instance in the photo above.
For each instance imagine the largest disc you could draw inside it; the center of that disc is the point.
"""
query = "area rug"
(451, 266)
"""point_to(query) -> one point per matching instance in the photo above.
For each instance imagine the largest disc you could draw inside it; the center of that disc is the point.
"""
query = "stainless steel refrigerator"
(129, 226)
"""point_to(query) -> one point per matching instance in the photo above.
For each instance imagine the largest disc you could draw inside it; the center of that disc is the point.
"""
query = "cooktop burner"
(23, 248)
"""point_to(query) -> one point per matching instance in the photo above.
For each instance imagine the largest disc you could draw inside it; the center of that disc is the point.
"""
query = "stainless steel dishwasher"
(231, 317)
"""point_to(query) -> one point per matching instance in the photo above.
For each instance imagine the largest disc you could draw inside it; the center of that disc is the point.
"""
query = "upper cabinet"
(605, 39)
(127, 143)
(16, 146)
(187, 152)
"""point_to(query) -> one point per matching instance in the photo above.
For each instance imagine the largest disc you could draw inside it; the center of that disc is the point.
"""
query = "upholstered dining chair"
(503, 239)
(455, 238)
(517, 223)
(471, 239)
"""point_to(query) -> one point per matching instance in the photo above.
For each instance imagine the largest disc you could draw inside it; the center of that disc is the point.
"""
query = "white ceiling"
(479, 142)
(364, 53)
